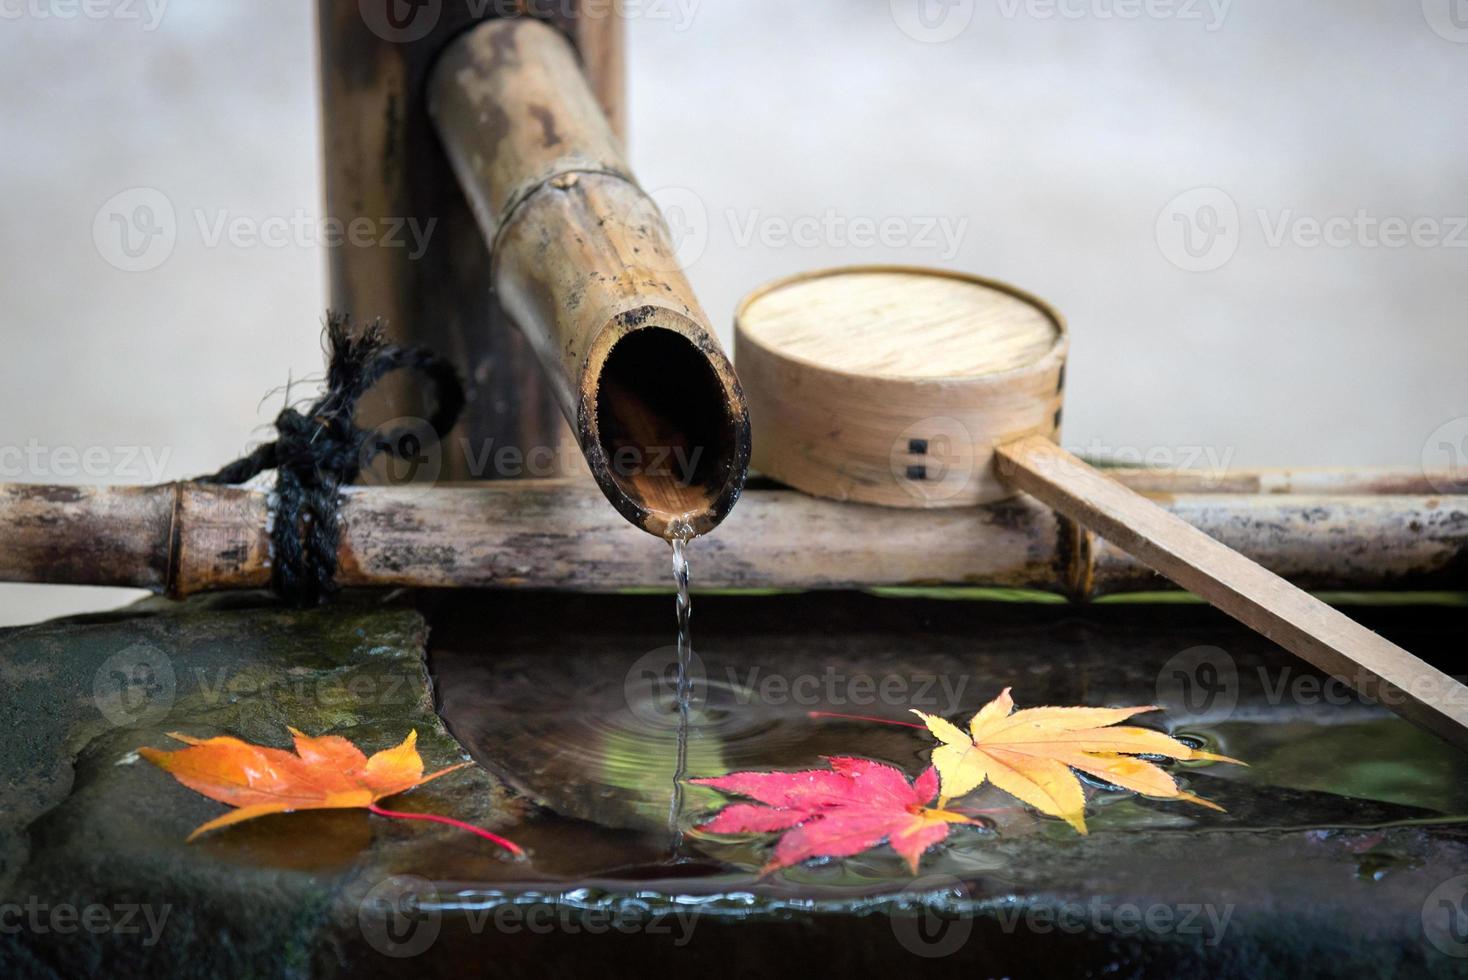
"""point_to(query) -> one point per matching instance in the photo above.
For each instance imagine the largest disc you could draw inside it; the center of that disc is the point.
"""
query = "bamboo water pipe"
(582, 261)
(185, 538)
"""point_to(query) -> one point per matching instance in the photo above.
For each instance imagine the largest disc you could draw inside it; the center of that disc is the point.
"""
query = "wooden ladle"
(919, 388)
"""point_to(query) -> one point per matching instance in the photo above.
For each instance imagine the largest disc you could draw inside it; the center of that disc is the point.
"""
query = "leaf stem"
(508, 845)
(878, 721)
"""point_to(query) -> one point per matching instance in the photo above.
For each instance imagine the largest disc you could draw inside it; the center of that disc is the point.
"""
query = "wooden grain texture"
(584, 265)
(1307, 627)
(899, 324)
(559, 534)
(891, 386)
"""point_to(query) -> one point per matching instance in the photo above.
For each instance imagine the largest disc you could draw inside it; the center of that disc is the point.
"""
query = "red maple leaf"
(838, 812)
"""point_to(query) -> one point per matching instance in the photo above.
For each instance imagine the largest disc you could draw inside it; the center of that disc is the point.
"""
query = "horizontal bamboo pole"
(1411, 481)
(186, 538)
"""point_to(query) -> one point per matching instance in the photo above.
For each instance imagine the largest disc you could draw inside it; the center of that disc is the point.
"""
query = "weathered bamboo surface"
(185, 538)
(584, 264)
(1323, 481)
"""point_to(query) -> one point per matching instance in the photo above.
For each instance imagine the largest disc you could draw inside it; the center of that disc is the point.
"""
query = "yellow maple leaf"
(1030, 754)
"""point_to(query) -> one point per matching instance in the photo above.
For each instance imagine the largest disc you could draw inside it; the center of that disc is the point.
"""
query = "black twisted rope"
(319, 451)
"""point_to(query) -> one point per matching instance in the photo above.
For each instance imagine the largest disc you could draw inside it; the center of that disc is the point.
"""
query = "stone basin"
(1343, 848)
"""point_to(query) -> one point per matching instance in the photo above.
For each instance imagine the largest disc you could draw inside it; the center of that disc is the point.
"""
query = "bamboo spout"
(583, 263)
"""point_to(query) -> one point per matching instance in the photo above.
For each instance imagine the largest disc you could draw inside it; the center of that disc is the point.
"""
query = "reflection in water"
(590, 730)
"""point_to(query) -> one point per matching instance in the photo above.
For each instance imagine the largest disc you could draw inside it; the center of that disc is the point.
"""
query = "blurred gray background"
(1252, 213)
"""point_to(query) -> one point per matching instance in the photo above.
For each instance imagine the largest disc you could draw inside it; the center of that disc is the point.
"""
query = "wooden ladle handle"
(1256, 597)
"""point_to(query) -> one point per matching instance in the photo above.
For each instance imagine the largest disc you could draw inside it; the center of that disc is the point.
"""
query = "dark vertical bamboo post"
(384, 166)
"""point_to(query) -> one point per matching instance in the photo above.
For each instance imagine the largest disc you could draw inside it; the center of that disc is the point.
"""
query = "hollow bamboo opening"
(663, 422)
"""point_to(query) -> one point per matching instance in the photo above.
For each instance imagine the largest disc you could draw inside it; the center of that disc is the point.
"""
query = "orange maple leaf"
(1030, 754)
(325, 773)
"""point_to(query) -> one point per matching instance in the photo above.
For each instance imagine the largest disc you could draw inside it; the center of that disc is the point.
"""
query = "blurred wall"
(1254, 213)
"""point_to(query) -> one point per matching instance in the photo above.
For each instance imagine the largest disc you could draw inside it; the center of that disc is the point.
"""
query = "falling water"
(679, 536)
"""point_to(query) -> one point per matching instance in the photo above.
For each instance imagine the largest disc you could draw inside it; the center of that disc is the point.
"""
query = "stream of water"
(679, 539)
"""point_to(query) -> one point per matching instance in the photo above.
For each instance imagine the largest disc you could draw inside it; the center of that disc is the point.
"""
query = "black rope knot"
(320, 450)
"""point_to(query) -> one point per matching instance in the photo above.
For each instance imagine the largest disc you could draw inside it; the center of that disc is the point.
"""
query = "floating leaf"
(325, 773)
(1030, 754)
(838, 812)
